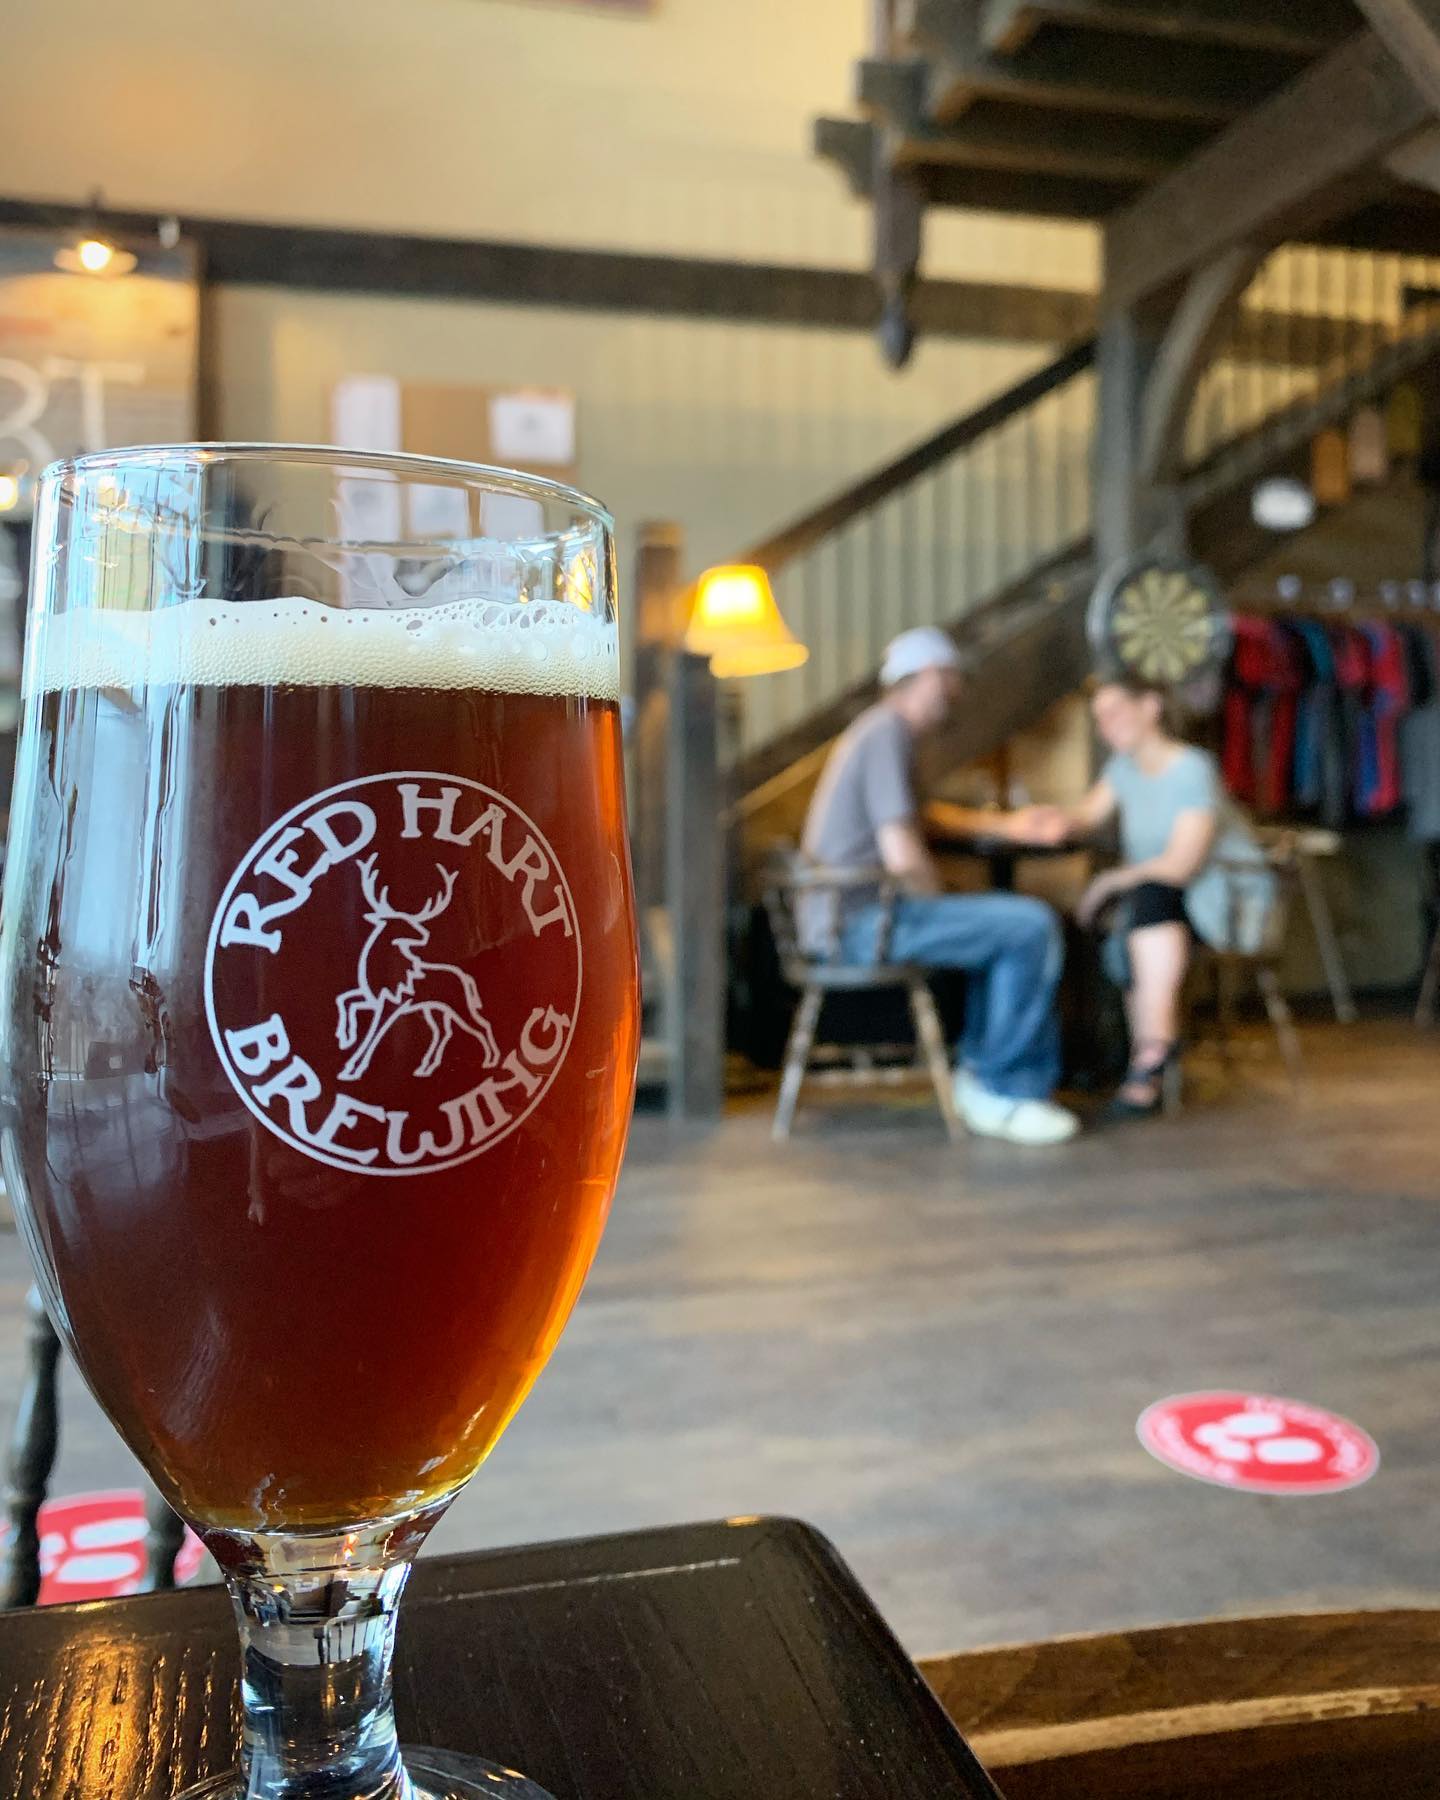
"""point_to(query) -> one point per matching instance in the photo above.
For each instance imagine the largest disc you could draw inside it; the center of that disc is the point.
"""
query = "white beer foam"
(531, 648)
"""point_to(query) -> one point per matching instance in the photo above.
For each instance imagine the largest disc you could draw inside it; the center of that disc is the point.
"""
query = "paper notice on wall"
(438, 512)
(365, 412)
(533, 428)
(369, 507)
(511, 518)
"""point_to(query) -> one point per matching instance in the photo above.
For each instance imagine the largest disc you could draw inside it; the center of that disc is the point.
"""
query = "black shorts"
(1154, 903)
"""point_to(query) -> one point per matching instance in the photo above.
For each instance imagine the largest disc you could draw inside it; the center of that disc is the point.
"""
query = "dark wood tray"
(737, 1661)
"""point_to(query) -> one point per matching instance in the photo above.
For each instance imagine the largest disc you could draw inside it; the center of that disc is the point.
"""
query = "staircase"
(985, 527)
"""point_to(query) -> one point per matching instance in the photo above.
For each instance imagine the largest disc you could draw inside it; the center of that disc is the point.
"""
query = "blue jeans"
(1011, 948)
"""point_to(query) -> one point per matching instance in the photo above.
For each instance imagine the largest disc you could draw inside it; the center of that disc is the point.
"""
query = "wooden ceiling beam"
(1410, 29)
(1013, 191)
(1070, 144)
(1304, 159)
(1291, 27)
(1208, 83)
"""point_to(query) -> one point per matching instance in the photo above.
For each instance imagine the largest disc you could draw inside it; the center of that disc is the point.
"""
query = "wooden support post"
(1194, 331)
(1305, 156)
(659, 625)
(898, 211)
(32, 1457)
(1129, 513)
(696, 885)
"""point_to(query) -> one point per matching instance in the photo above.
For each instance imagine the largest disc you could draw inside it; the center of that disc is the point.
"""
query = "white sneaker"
(1015, 1121)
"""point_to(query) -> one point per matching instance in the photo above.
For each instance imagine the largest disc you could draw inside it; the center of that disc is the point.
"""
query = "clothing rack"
(1341, 600)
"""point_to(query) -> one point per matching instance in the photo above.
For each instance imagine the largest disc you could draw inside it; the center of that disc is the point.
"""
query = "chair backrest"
(784, 864)
(805, 904)
(1259, 893)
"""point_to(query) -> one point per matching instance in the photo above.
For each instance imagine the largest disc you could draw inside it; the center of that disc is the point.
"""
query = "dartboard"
(1159, 618)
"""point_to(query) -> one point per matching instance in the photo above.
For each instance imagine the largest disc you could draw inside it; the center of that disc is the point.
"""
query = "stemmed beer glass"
(319, 1015)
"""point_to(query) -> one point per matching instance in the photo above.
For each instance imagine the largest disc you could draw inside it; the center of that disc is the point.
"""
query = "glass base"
(436, 1774)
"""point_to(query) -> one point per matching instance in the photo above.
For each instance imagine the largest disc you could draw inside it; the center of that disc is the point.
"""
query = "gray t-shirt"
(866, 783)
(1148, 808)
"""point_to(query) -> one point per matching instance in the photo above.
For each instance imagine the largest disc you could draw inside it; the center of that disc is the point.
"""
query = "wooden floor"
(938, 1354)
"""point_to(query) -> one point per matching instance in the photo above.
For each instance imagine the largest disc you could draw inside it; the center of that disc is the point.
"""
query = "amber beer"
(320, 1094)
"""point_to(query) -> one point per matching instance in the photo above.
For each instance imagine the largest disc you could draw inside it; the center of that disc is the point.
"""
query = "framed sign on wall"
(91, 361)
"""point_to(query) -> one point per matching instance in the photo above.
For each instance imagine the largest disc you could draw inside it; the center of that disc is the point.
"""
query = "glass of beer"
(319, 1013)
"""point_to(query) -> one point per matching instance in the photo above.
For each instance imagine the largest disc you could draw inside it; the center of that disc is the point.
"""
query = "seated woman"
(1190, 868)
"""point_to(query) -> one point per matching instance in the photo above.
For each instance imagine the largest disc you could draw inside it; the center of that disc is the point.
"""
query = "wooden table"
(1305, 1707)
(735, 1661)
(1000, 855)
(741, 1661)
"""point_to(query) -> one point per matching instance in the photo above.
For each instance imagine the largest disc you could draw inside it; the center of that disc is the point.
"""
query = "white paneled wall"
(687, 129)
(731, 430)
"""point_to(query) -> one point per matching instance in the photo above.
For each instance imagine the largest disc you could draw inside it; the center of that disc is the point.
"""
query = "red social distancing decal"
(92, 1547)
(1258, 1444)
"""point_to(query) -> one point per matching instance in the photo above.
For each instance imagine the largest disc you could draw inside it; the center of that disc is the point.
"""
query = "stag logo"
(394, 980)
(411, 1033)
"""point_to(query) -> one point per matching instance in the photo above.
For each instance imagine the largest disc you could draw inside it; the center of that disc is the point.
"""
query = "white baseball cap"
(923, 647)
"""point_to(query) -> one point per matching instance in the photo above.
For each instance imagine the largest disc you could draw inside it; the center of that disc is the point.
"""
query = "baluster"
(32, 1457)
(846, 635)
(1275, 336)
(1334, 323)
(946, 604)
(909, 534)
(1059, 524)
(1315, 312)
(1037, 543)
(874, 625)
(962, 477)
(813, 674)
(1350, 306)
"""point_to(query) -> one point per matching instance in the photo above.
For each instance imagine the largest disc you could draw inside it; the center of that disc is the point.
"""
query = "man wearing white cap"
(865, 814)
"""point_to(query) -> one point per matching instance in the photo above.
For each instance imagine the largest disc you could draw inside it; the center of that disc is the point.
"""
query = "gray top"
(1148, 808)
(867, 782)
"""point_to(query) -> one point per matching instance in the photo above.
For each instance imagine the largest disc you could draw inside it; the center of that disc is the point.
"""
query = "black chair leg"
(33, 1446)
(163, 1540)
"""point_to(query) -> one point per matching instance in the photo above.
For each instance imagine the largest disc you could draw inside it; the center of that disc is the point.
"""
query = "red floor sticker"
(1258, 1444)
(92, 1547)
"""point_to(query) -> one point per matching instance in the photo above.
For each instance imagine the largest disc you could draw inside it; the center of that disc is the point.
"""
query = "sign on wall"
(532, 428)
(89, 362)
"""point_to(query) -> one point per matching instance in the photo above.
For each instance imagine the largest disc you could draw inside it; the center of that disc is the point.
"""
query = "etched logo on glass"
(393, 973)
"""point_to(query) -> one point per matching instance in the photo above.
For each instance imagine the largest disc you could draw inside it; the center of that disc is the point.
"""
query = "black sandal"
(1152, 1074)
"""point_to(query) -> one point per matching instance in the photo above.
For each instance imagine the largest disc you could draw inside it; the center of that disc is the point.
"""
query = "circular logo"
(393, 973)
(1258, 1443)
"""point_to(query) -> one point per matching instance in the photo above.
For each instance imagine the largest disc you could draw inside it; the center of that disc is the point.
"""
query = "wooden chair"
(820, 972)
(1260, 964)
(33, 1449)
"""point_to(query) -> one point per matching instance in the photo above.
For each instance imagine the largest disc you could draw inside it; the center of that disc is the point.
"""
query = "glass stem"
(317, 1618)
